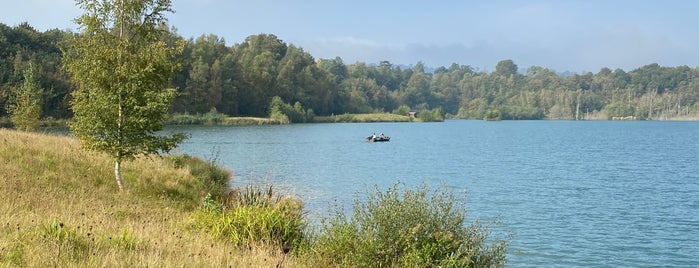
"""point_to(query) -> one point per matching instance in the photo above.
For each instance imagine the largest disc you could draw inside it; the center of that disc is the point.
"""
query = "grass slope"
(62, 207)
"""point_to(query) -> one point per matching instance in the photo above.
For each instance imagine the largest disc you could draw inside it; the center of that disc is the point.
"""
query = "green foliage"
(219, 119)
(56, 231)
(434, 115)
(415, 228)
(242, 79)
(13, 255)
(185, 119)
(521, 113)
(249, 121)
(211, 205)
(213, 117)
(211, 178)
(26, 110)
(253, 216)
(493, 115)
(402, 110)
(618, 109)
(126, 240)
(362, 118)
(285, 113)
(65, 240)
(122, 70)
(276, 110)
(22, 48)
(506, 68)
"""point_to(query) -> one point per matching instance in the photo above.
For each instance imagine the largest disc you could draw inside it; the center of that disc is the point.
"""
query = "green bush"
(434, 115)
(211, 178)
(402, 110)
(286, 113)
(493, 115)
(619, 109)
(253, 216)
(26, 109)
(213, 117)
(408, 228)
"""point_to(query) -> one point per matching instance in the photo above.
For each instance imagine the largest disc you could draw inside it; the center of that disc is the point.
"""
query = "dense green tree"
(359, 90)
(260, 54)
(197, 88)
(418, 91)
(230, 76)
(202, 79)
(387, 75)
(335, 67)
(26, 110)
(21, 45)
(295, 80)
(122, 66)
(506, 68)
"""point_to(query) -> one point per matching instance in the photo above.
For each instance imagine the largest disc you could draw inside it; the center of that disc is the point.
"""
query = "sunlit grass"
(62, 207)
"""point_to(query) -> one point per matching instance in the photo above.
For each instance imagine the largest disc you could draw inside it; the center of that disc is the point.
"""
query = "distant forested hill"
(242, 80)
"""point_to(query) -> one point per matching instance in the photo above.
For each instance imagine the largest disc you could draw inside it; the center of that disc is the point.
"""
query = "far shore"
(49, 123)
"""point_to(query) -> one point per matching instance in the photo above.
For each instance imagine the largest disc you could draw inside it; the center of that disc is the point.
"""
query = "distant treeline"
(245, 78)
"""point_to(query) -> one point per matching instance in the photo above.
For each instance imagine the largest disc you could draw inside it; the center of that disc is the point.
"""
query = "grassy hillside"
(62, 207)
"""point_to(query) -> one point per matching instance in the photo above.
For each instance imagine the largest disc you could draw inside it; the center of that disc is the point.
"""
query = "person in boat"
(382, 136)
(373, 136)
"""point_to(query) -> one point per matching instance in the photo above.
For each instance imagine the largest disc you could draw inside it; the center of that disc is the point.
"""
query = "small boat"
(378, 139)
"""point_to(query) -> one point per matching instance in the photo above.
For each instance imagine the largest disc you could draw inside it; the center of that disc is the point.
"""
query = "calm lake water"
(572, 193)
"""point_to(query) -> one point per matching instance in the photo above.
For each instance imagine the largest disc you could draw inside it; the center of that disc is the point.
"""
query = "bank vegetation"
(62, 209)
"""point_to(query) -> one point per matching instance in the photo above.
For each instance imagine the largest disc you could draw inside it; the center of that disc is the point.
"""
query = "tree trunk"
(577, 109)
(117, 173)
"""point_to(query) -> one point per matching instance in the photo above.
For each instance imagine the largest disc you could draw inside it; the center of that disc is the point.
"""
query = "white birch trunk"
(117, 173)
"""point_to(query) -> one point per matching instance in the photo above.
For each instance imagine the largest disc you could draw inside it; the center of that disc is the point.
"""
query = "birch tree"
(121, 65)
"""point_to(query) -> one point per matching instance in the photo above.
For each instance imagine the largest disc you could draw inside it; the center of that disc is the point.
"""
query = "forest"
(262, 71)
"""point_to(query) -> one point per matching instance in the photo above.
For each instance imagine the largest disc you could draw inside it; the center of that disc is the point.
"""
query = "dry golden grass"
(62, 207)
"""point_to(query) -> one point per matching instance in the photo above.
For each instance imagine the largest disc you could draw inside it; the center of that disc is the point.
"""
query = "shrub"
(213, 117)
(252, 216)
(493, 115)
(402, 110)
(26, 109)
(286, 113)
(434, 115)
(415, 228)
(211, 177)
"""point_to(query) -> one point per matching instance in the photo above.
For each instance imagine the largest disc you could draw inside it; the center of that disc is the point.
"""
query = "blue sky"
(572, 35)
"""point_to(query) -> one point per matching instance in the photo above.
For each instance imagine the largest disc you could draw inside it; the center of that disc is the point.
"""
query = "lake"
(572, 193)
